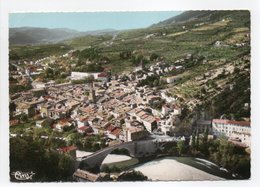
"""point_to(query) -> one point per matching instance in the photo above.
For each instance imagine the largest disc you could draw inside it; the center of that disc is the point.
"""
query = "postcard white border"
(10, 6)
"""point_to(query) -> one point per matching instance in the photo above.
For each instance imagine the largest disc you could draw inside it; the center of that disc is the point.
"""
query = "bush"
(132, 175)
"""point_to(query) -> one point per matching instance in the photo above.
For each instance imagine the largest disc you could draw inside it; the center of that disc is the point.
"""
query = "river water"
(181, 168)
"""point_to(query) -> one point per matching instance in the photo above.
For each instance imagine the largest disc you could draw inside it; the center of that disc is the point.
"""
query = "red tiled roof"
(84, 128)
(14, 122)
(157, 119)
(110, 128)
(84, 118)
(67, 149)
(86, 175)
(116, 131)
(103, 74)
(64, 120)
(224, 121)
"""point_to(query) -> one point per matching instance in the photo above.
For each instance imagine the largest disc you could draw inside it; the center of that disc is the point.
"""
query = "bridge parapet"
(136, 149)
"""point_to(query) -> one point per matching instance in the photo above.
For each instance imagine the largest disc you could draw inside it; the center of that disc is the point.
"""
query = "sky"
(89, 21)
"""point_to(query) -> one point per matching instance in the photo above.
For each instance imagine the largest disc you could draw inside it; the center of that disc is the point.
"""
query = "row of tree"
(221, 152)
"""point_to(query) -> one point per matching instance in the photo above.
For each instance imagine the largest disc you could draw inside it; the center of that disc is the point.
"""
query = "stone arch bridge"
(137, 149)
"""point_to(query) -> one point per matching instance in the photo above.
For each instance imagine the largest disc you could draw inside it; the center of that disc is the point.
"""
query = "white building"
(168, 99)
(82, 75)
(239, 131)
(165, 110)
(102, 76)
(39, 123)
(173, 79)
(38, 85)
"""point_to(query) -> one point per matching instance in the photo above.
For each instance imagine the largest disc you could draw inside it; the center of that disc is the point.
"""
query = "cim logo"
(23, 176)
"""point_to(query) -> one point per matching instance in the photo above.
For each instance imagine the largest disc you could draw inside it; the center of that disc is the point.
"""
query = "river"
(171, 168)
(181, 168)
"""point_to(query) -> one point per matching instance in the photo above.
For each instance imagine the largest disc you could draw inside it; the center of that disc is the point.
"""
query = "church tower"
(92, 95)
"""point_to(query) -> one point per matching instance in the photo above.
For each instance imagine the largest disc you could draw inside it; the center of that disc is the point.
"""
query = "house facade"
(238, 131)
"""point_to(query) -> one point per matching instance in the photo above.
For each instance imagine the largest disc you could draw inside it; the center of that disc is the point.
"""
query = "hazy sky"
(90, 20)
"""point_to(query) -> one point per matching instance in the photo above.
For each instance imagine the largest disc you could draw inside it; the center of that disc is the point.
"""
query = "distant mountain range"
(33, 35)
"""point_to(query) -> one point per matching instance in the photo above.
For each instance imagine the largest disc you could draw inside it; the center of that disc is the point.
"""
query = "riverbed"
(180, 169)
(170, 168)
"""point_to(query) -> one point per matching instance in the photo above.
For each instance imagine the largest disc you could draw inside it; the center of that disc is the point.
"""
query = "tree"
(203, 90)
(65, 166)
(124, 78)
(154, 56)
(243, 168)
(12, 107)
(236, 70)
(23, 117)
(155, 83)
(204, 147)
(89, 54)
(205, 135)
(125, 54)
(193, 140)
(105, 168)
(132, 175)
(49, 73)
(181, 147)
(18, 149)
(197, 139)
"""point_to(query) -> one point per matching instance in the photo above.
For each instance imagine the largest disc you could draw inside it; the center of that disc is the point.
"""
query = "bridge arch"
(135, 148)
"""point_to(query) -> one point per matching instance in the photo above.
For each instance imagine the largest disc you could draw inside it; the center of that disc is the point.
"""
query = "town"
(103, 112)
(113, 107)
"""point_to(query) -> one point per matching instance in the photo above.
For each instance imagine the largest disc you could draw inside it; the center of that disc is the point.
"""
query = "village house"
(143, 117)
(238, 131)
(85, 130)
(63, 123)
(85, 176)
(173, 79)
(166, 97)
(25, 108)
(112, 131)
(101, 76)
(71, 150)
(134, 133)
(166, 109)
(82, 121)
(166, 129)
(58, 111)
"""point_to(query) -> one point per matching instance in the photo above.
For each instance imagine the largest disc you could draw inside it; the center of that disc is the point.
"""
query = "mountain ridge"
(38, 35)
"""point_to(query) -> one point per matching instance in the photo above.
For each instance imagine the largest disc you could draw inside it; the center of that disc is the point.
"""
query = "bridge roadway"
(140, 148)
